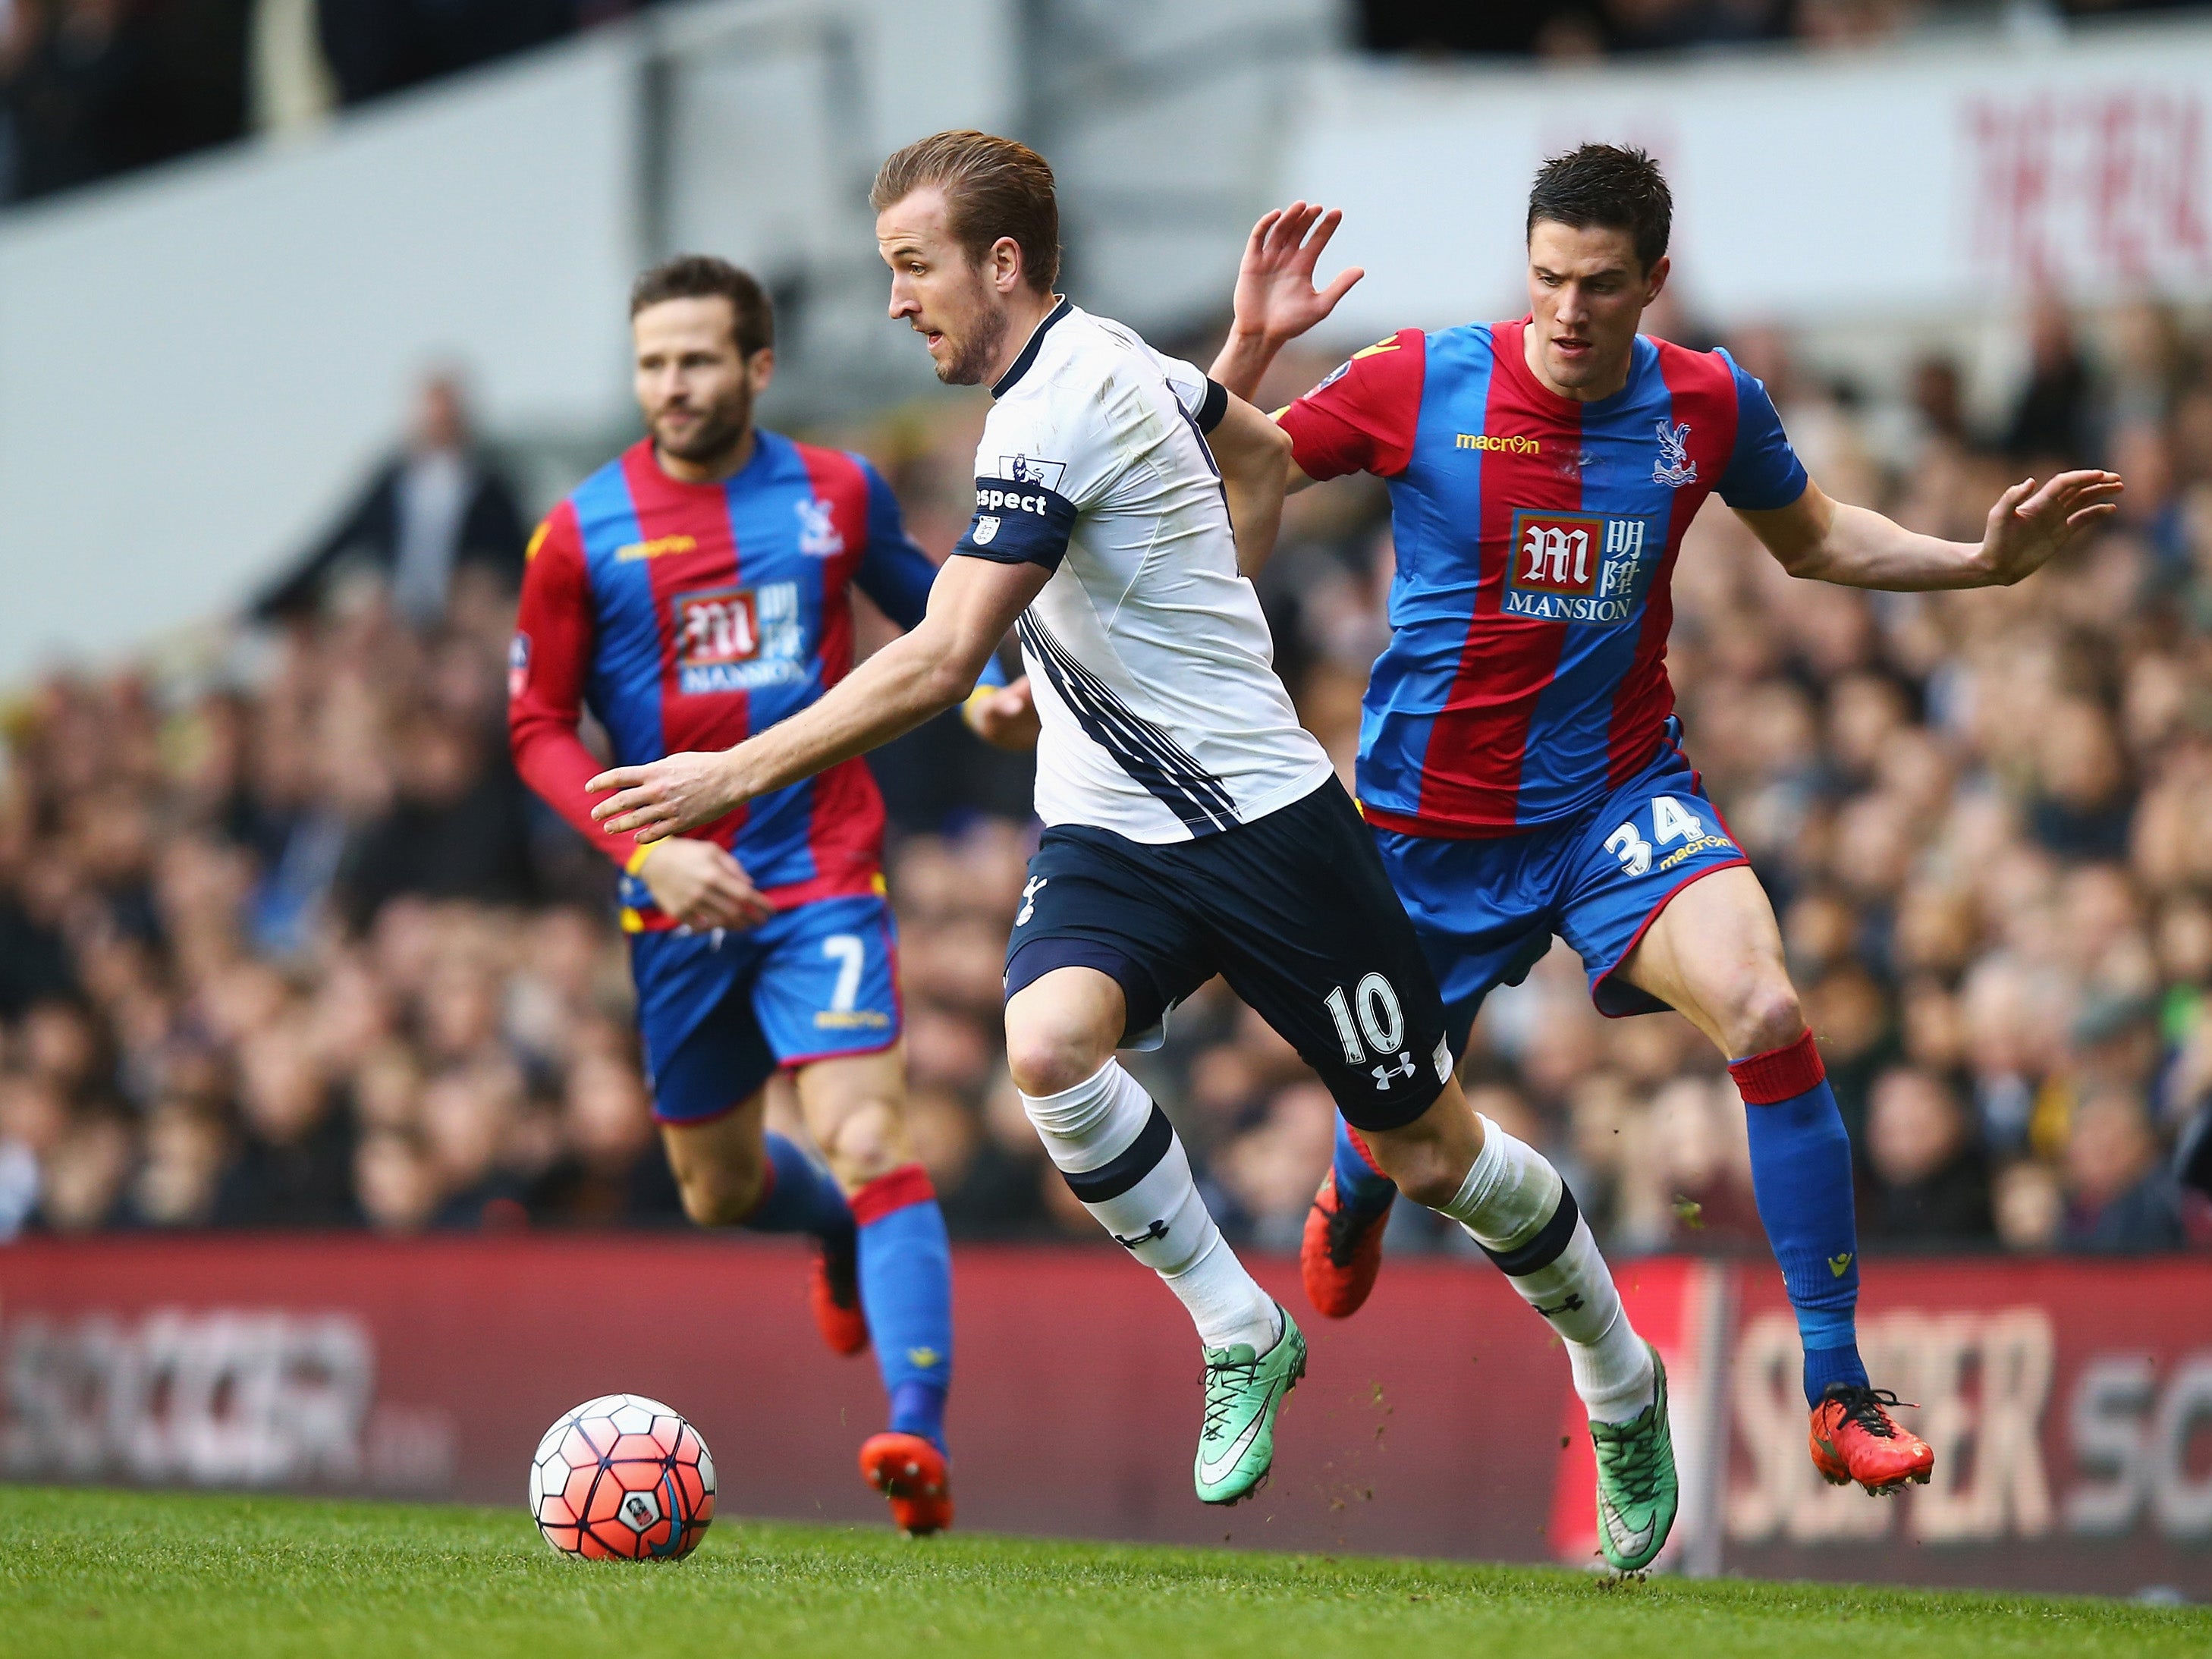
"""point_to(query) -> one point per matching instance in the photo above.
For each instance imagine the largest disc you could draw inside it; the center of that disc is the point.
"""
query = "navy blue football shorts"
(1486, 910)
(1293, 911)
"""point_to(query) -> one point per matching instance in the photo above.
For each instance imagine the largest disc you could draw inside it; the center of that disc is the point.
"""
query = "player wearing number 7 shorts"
(1191, 826)
(696, 590)
(1520, 764)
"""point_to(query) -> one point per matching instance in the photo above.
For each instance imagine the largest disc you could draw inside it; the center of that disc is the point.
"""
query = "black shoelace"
(1218, 1402)
(1867, 1408)
(1636, 1464)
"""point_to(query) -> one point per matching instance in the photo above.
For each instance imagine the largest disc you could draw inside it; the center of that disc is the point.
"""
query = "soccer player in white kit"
(1191, 826)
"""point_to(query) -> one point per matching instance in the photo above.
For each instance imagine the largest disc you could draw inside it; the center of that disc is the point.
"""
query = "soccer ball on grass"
(622, 1477)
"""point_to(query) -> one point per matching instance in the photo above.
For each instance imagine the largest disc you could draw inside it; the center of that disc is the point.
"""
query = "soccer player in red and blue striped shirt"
(692, 592)
(1520, 763)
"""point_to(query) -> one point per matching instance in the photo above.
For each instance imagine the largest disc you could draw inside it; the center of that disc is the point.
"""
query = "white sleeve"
(1205, 400)
(1040, 464)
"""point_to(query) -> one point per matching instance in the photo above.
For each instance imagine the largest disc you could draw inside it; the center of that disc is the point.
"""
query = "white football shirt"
(1152, 666)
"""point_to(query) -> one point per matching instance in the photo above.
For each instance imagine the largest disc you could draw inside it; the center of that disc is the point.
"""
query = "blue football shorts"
(1486, 910)
(720, 1011)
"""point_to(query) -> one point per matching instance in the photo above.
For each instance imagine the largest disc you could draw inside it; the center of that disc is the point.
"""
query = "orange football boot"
(834, 1288)
(1855, 1438)
(1341, 1251)
(910, 1472)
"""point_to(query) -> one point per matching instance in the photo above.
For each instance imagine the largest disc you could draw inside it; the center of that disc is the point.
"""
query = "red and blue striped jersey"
(688, 616)
(1525, 676)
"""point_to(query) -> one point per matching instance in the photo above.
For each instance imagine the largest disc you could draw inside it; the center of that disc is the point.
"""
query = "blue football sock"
(799, 1195)
(1801, 1172)
(906, 1291)
(1357, 1184)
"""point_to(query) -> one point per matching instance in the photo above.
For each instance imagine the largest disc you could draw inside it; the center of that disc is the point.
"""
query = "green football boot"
(1637, 1493)
(1245, 1393)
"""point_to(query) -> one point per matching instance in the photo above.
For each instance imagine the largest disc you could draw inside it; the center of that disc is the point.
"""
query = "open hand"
(1276, 298)
(701, 885)
(667, 796)
(1005, 717)
(2029, 526)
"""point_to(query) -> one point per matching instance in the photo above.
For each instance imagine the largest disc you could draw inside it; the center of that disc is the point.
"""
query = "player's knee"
(720, 1194)
(1047, 1062)
(1430, 1177)
(1429, 1168)
(1768, 1016)
(867, 1141)
(1047, 1055)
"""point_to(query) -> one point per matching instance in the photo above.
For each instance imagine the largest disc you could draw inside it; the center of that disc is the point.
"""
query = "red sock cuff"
(895, 1190)
(1779, 1075)
(1359, 1145)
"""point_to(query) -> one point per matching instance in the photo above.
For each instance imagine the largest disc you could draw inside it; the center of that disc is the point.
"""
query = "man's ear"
(1656, 278)
(760, 369)
(1006, 264)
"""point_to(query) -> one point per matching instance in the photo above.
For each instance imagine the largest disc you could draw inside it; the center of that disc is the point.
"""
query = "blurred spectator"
(294, 1169)
(2030, 1206)
(92, 87)
(2120, 1196)
(457, 827)
(440, 506)
(377, 46)
(1931, 1185)
(2051, 417)
(613, 1170)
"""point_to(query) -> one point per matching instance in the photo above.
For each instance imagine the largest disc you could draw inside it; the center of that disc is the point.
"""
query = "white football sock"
(1122, 1157)
(1515, 1206)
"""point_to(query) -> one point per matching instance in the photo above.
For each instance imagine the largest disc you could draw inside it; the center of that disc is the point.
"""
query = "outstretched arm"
(1276, 299)
(971, 605)
(1254, 454)
(1830, 541)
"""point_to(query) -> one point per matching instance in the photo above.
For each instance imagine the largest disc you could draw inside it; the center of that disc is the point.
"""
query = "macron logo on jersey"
(1576, 567)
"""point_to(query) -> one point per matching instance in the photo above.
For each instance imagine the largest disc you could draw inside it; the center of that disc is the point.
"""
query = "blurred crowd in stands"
(282, 941)
(1570, 31)
(90, 89)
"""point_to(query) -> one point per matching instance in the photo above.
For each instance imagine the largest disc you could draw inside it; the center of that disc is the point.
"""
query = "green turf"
(88, 1572)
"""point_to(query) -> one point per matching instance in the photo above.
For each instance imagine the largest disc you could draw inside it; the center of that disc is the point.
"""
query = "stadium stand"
(283, 942)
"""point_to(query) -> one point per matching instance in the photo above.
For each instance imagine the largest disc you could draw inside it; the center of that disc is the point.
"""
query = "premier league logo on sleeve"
(1029, 469)
(1673, 468)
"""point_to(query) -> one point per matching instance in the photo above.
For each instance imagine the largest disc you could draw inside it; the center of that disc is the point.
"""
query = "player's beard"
(722, 429)
(973, 361)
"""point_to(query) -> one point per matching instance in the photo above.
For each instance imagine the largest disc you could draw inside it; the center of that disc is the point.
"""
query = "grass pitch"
(145, 1576)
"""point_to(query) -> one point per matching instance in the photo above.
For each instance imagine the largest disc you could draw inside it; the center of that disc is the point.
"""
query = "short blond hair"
(993, 187)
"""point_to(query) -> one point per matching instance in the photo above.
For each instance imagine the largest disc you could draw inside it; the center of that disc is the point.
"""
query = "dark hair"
(1607, 186)
(993, 187)
(703, 277)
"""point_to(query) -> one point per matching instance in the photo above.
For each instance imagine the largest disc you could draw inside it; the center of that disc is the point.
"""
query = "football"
(622, 1477)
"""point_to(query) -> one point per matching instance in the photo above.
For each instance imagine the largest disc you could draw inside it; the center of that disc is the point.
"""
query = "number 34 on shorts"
(1679, 833)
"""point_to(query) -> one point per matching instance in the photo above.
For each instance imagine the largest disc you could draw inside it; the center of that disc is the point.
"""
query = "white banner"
(1918, 180)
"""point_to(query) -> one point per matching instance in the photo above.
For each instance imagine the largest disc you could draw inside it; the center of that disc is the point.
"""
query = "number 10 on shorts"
(1381, 1020)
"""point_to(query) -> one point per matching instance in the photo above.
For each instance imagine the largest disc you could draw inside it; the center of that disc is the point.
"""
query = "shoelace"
(1867, 1408)
(1219, 1396)
(1635, 1464)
